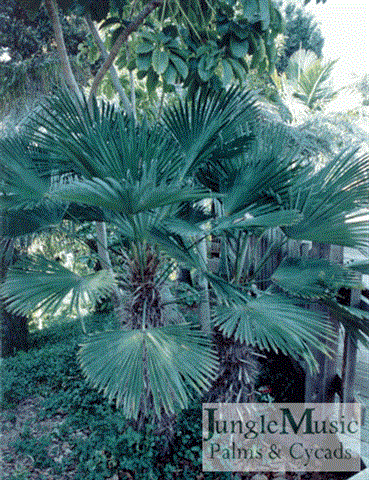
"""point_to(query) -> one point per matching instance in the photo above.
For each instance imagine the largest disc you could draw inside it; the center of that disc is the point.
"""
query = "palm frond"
(269, 321)
(313, 279)
(330, 201)
(264, 173)
(124, 196)
(355, 321)
(314, 86)
(36, 283)
(176, 247)
(20, 182)
(310, 78)
(266, 217)
(197, 124)
(272, 322)
(16, 222)
(361, 267)
(164, 365)
(106, 143)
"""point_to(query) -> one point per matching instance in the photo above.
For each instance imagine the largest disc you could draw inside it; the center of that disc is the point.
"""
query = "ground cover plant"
(55, 426)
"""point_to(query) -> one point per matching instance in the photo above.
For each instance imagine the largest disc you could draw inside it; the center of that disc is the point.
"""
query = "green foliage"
(36, 272)
(43, 367)
(197, 44)
(317, 278)
(329, 199)
(48, 364)
(141, 176)
(102, 442)
(37, 448)
(32, 69)
(151, 369)
(311, 79)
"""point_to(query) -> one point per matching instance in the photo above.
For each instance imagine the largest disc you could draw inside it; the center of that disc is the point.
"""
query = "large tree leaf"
(36, 283)
(163, 364)
(160, 60)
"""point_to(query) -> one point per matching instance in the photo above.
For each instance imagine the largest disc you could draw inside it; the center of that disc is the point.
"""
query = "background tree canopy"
(29, 62)
(301, 31)
(170, 43)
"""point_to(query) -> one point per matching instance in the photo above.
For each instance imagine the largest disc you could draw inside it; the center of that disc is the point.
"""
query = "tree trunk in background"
(68, 74)
(14, 328)
(14, 333)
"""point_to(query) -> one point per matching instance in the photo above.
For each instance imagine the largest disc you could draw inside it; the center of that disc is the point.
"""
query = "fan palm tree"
(147, 182)
(306, 86)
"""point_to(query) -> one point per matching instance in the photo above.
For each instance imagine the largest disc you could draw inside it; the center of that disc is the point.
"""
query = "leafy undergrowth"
(55, 427)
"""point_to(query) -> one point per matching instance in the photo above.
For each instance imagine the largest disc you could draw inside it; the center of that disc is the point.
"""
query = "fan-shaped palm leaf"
(20, 181)
(125, 197)
(106, 143)
(35, 283)
(159, 365)
(176, 247)
(197, 124)
(330, 202)
(18, 222)
(269, 321)
(313, 279)
(268, 217)
(262, 174)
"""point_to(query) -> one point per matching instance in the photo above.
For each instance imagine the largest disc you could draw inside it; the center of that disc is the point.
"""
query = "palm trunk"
(104, 257)
(204, 306)
(350, 357)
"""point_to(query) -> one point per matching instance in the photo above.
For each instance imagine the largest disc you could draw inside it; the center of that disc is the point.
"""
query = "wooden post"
(319, 388)
(331, 364)
(350, 357)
